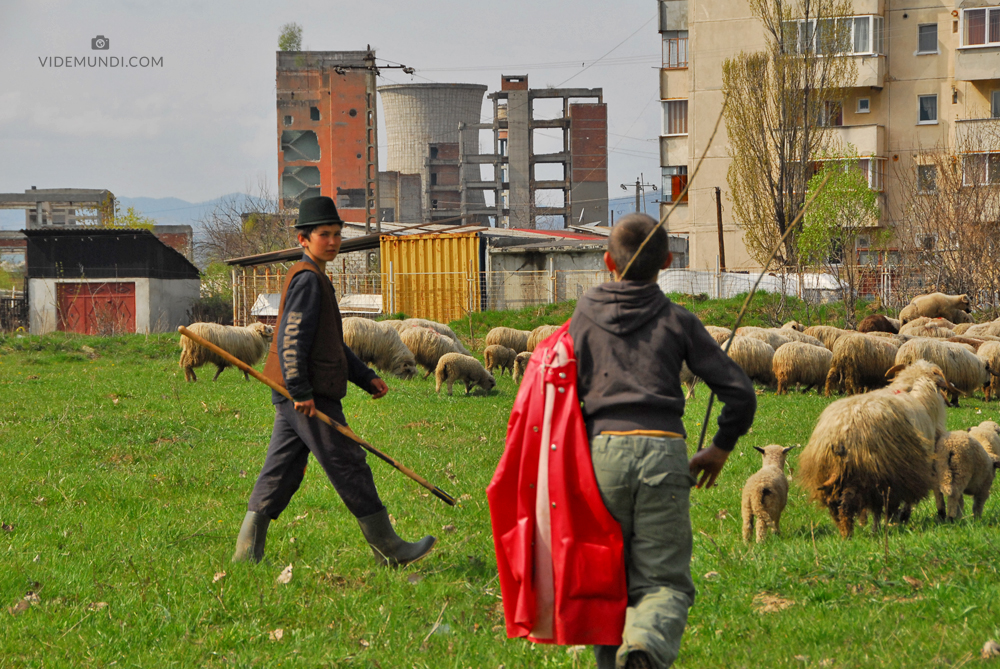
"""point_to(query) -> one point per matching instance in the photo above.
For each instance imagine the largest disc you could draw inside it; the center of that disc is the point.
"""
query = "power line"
(560, 85)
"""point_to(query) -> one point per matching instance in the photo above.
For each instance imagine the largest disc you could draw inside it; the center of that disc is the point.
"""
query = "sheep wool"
(754, 357)
(929, 327)
(964, 369)
(765, 494)
(987, 434)
(877, 323)
(793, 325)
(797, 364)
(963, 468)
(827, 334)
(379, 345)
(936, 305)
(874, 452)
(247, 344)
(539, 334)
(509, 337)
(427, 346)
(989, 352)
(454, 367)
(772, 338)
(521, 364)
(720, 335)
(496, 355)
(440, 328)
(859, 364)
(795, 335)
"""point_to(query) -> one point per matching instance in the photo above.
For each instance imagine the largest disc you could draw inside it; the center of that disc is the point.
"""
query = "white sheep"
(427, 346)
(539, 334)
(754, 357)
(987, 434)
(929, 327)
(961, 366)
(440, 328)
(509, 337)
(765, 494)
(794, 325)
(248, 344)
(796, 364)
(827, 334)
(773, 338)
(795, 335)
(496, 355)
(520, 365)
(454, 367)
(859, 363)
(989, 352)
(963, 468)
(379, 345)
(953, 307)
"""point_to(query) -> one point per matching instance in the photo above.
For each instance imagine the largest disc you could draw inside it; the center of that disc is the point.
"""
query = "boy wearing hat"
(309, 358)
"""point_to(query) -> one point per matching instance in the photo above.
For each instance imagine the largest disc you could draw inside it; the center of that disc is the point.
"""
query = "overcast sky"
(204, 125)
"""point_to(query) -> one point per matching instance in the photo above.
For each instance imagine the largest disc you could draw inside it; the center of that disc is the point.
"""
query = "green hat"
(318, 211)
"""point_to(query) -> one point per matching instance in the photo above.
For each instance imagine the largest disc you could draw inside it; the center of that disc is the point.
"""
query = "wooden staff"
(343, 429)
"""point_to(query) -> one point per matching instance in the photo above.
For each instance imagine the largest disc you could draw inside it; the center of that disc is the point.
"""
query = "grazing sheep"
(877, 323)
(521, 364)
(929, 327)
(963, 468)
(874, 451)
(396, 324)
(509, 337)
(961, 366)
(765, 494)
(754, 357)
(379, 345)
(440, 328)
(539, 334)
(936, 305)
(427, 346)
(770, 337)
(793, 325)
(796, 364)
(248, 344)
(859, 364)
(795, 335)
(989, 352)
(827, 334)
(496, 355)
(987, 434)
(454, 367)
(720, 335)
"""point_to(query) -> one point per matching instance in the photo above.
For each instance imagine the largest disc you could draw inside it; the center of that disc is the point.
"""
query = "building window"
(873, 169)
(675, 117)
(434, 153)
(981, 169)
(287, 120)
(434, 178)
(860, 35)
(926, 179)
(675, 49)
(982, 26)
(314, 113)
(674, 181)
(927, 109)
(995, 107)
(864, 105)
(927, 41)
(833, 114)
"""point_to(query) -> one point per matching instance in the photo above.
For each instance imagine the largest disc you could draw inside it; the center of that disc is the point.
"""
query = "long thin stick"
(343, 429)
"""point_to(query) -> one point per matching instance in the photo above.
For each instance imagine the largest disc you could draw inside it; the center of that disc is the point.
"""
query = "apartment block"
(928, 75)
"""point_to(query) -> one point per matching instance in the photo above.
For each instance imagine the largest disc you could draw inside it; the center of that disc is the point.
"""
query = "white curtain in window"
(862, 34)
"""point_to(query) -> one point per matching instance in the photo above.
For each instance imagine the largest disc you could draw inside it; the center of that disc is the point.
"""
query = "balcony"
(869, 140)
(979, 63)
(871, 71)
(976, 134)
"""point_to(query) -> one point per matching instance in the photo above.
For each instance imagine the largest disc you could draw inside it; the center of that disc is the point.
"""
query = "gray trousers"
(295, 436)
(645, 484)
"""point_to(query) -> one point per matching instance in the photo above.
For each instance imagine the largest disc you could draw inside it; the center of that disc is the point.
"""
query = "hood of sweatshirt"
(621, 307)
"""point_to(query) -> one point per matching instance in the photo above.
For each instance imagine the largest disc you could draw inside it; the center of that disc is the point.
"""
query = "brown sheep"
(859, 364)
(937, 305)
(496, 355)
(877, 323)
(765, 494)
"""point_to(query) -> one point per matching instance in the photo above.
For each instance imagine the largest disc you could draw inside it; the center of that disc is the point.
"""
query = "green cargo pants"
(646, 485)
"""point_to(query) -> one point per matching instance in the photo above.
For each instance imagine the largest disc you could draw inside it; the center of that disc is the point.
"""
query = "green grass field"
(122, 489)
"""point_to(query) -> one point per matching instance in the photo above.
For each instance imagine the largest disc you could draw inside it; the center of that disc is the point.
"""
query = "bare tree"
(949, 234)
(244, 225)
(779, 103)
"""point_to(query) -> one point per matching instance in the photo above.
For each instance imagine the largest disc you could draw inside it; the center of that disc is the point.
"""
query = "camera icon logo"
(100, 43)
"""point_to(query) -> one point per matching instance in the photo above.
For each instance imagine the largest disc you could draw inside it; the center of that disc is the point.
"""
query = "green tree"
(843, 211)
(109, 215)
(290, 38)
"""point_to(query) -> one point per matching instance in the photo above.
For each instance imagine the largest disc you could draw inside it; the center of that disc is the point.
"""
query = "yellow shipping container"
(432, 276)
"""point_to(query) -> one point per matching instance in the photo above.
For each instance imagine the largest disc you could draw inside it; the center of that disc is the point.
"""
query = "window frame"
(875, 39)
(859, 110)
(668, 119)
(922, 180)
(675, 50)
(677, 174)
(988, 14)
(988, 159)
(936, 109)
(927, 52)
(995, 104)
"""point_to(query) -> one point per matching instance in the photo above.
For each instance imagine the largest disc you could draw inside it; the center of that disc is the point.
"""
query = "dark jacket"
(308, 354)
(630, 342)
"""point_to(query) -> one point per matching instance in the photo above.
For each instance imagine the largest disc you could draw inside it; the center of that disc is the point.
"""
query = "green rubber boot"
(253, 534)
(389, 549)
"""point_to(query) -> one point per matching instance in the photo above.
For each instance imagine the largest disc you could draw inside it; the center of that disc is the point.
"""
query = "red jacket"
(559, 551)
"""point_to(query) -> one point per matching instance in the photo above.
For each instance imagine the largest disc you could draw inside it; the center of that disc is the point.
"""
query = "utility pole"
(718, 217)
(639, 189)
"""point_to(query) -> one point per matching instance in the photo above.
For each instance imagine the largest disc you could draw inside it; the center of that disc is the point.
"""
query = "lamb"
(427, 346)
(765, 494)
(454, 367)
(539, 334)
(963, 468)
(859, 364)
(754, 357)
(989, 352)
(380, 345)
(440, 328)
(795, 335)
(496, 355)
(797, 364)
(874, 451)
(929, 327)
(827, 334)
(248, 344)
(520, 365)
(509, 337)
(966, 371)
(935, 305)
(877, 323)
(987, 434)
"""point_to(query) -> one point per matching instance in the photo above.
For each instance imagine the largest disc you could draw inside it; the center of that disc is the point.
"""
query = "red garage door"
(96, 308)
